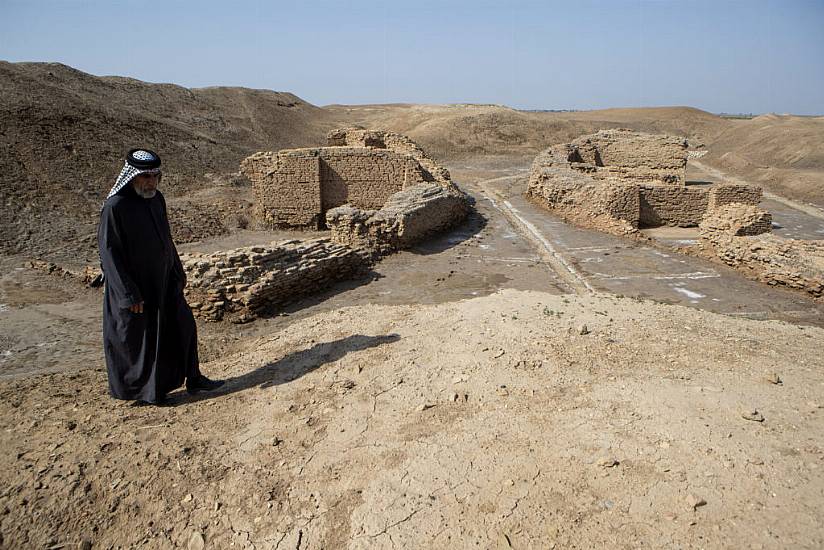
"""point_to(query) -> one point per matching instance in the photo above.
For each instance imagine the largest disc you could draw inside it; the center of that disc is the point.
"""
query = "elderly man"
(149, 333)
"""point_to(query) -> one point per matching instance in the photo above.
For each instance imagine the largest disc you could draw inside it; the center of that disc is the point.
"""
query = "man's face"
(146, 184)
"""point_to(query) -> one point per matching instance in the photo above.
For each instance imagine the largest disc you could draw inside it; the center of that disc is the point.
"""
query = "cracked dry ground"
(484, 423)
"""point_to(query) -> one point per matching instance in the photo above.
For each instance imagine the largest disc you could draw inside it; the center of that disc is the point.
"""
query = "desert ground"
(516, 382)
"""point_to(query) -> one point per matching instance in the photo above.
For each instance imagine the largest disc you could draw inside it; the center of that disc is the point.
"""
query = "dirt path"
(548, 252)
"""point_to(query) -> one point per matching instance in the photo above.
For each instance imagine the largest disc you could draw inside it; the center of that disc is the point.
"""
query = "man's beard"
(146, 194)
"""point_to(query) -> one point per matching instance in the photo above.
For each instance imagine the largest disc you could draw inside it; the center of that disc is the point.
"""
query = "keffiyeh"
(138, 161)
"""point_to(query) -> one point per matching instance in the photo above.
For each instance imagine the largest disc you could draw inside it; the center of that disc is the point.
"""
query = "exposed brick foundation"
(245, 282)
(739, 235)
(409, 217)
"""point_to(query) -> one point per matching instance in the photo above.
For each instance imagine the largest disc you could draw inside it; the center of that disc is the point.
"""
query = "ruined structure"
(741, 236)
(377, 192)
(244, 282)
(408, 217)
(294, 188)
(620, 181)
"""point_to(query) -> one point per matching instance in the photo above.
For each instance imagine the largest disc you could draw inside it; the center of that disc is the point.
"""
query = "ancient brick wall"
(286, 187)
(619, 180)
(736, 220)
(727, 193)
(364, 177)
(672, 205)
(609, 206)
(294, 188)
(740, 236)
(636, 157)
(409, 217)
(245, 282)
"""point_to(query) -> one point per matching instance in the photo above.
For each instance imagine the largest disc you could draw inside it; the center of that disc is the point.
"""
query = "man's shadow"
(291, 366)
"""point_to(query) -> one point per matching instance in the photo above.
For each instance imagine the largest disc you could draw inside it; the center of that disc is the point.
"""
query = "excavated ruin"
(619, 181)
(378, 192)
(741, 236)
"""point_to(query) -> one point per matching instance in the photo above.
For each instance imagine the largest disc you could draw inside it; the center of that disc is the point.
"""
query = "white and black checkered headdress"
(138, 161)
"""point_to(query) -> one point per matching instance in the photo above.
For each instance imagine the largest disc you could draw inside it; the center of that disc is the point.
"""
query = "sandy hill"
(455, 131)
(784, 153)
(64, 134)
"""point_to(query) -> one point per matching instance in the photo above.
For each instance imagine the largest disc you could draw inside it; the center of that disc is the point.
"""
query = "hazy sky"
(732, 56)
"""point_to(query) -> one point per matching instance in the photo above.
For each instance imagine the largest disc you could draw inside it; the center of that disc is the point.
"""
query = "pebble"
(774, 379)
(607, 462)
(753, 415)
(187, 498)
(695, 502)
(196, 541)
(583, 329)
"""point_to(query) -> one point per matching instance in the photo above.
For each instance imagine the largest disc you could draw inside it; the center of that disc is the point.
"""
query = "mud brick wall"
(736, 220)
(242, 283)
(295, 187)
(286, 186)
(637, 157)
(364, 177)
(409, 217)
(359, 137)
(739, 235)
(673, 206)
(620, 180)
(608, 206)
(727, 193)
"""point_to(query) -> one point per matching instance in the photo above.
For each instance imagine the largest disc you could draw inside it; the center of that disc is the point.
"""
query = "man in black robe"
(149, 332)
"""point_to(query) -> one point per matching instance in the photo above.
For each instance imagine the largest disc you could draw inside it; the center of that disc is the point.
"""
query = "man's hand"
(136, 308)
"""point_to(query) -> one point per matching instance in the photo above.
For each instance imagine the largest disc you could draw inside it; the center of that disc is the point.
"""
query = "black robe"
(151, 353)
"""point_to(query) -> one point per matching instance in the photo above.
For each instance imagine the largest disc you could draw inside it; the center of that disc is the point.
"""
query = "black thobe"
(151, 353)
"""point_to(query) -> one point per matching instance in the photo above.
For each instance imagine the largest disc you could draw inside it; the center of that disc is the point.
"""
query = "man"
(149, 332)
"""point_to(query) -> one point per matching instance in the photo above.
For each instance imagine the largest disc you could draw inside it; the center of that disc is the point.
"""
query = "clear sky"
(721, 55)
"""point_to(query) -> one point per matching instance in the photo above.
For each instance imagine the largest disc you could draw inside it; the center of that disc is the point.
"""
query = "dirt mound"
(361, 428)
(456, 131)
(783, 153)
(64, 134)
